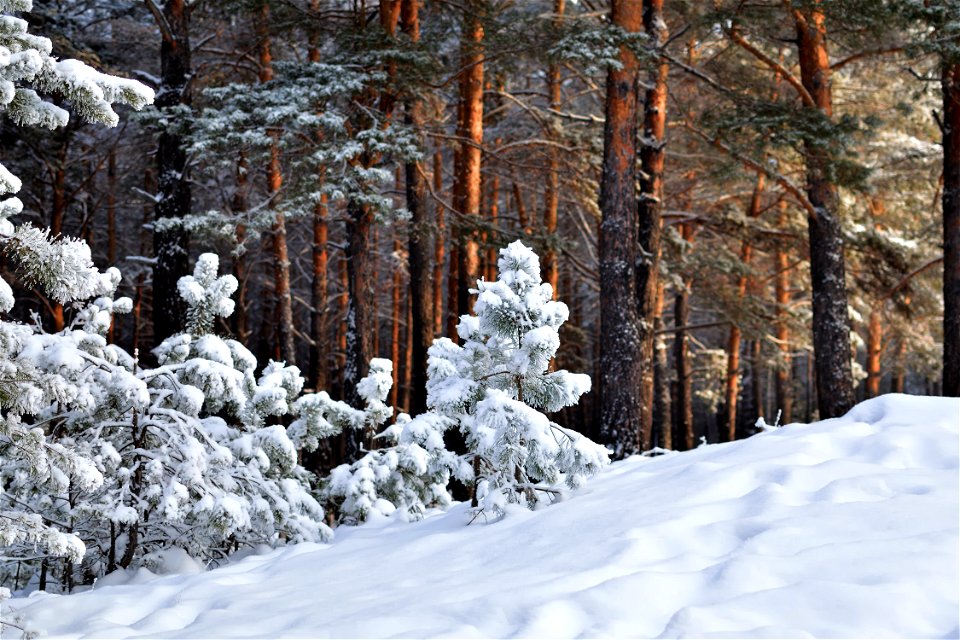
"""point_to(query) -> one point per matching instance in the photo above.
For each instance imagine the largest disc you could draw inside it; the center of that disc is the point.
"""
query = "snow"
(843, 528)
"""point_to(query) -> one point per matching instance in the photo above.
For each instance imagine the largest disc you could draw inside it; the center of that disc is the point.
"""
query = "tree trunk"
(733, 341)
(650, 209)
(286, 346)
(466, 187)
(621, 349)
(662, 417)
(396, 309)
(831, 326)
(757, 372)
(951, 229)
(438, 251)
(551, 198)
(782, 280)
(420, 244)
(874, 350)
(173, 186)
(683, 402)
(238, 205)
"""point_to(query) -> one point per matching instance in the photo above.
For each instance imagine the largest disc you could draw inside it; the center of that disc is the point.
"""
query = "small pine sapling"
(498, 384)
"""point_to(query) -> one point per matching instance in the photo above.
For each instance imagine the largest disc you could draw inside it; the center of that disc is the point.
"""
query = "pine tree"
(496, 386)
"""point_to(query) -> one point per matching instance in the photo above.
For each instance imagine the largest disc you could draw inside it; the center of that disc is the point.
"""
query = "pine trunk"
(173, 186)
(551, 198)
(662, 418)
(438, 250)
(420, 244)
(683, 402)
(951, 229)
(831, 326)
(782, 280)
(466, 188)
(621, 349)
(650, 210)
(874, 350)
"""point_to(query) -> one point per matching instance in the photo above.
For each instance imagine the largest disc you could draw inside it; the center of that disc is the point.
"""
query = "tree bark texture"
(951, 229)
(420, 244)
(621, 348)
(650, 209)
(831, 325)
(173, 187)
(466, 188)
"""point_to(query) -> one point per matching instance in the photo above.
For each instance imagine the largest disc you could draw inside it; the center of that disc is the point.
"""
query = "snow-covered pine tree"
(497, 384)
(62, 267)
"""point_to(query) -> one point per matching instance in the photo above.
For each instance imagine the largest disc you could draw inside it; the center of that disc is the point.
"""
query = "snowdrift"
(842, 528)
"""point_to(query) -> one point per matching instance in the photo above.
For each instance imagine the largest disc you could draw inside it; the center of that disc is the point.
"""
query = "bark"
(874, 350)
(551, 198)
(662, 418)
(319, 295)
(239, 205)
(951, 229)
(493, 213)
(650, 209)
(784, 385)
(422, 300)
(396, 309)
(757, 372)
(683, 400)
(831, 326)
(621, 365)
(283, 298)
(112, 206)
(733, 341)
(453, 281)
(898, 380)
(438, 251)
(173, 186)
(466, 187)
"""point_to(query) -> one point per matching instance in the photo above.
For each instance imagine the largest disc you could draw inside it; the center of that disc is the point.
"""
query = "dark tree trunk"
(420, 244)
(173, 186)
(831, 325)
(650, 209)
(621, 348)
(951, 229)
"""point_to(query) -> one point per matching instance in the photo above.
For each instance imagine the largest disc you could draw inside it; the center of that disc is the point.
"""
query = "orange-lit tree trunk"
(729, 433)
(784, 389)
(466, 187)
(551, 196)
(831, 327)
(319, 288)
(650, 208)
(396, 308)
(283, 297)
(438, 251)
(621, 363)
(493, 213)
(420, 244)
(874, 351)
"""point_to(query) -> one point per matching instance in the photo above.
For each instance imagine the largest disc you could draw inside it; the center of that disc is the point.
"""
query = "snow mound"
(843, 528)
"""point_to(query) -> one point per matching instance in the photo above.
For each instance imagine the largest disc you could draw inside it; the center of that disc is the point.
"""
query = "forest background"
(357, 165)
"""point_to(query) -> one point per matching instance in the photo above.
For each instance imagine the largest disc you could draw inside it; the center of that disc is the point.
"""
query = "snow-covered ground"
(844, 528)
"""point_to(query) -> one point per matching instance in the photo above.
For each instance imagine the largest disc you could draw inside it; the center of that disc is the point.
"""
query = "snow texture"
(844, 528)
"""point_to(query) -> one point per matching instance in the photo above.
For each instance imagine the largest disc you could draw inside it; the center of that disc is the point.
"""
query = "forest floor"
(843, 528)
